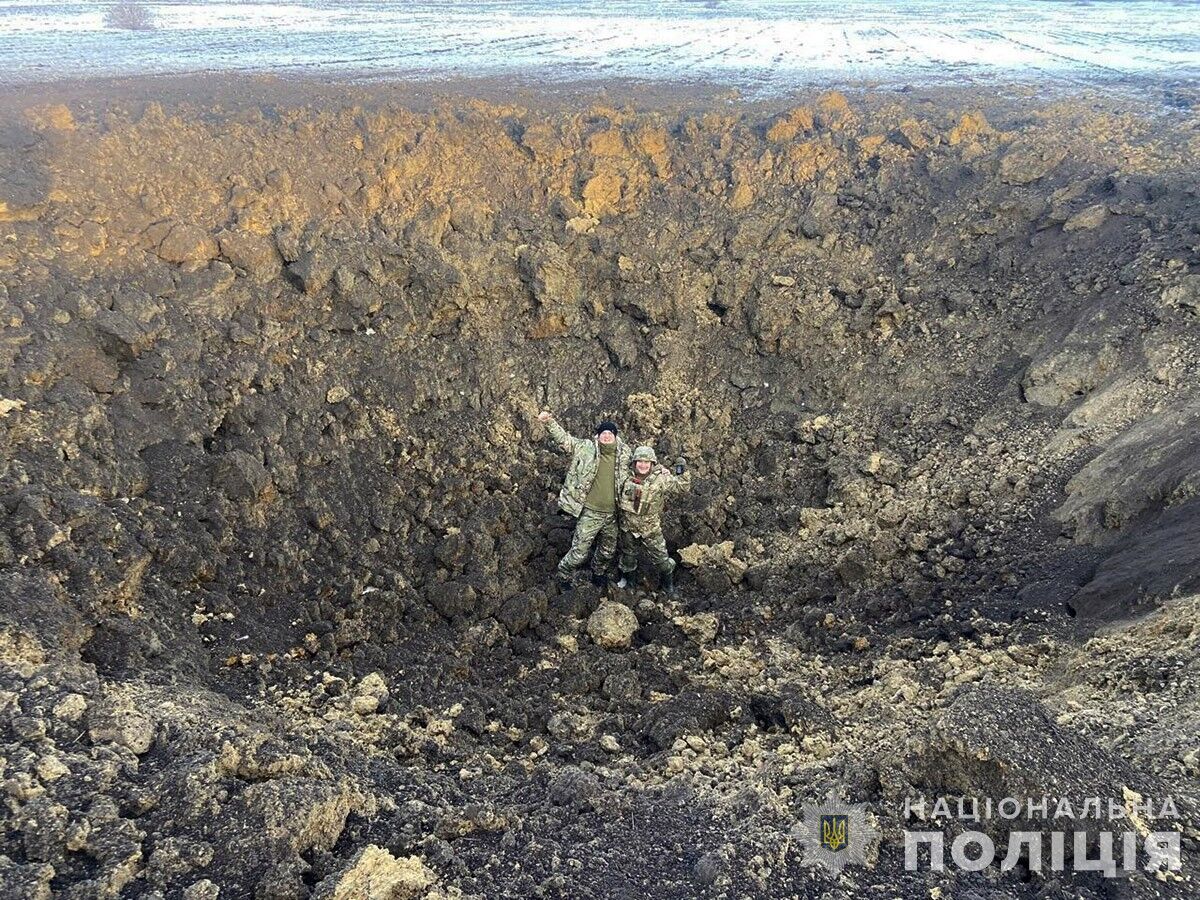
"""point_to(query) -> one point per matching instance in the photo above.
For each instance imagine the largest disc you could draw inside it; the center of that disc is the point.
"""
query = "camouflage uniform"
(592, 527)
(641, 517)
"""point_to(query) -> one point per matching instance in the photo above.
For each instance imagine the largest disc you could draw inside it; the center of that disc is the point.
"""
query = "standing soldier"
(589, 492)
(644, 492)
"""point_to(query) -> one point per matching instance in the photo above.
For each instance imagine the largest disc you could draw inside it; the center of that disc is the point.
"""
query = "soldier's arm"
(559, 435)
(677, 484)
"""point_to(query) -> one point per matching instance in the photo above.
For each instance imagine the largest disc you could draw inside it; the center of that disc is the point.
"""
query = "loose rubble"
(277, 540)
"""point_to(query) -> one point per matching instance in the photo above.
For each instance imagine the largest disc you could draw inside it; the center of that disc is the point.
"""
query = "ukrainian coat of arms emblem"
(836, 834)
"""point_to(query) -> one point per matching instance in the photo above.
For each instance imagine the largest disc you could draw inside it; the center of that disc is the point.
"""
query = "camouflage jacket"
(585, 455)
(643, 515)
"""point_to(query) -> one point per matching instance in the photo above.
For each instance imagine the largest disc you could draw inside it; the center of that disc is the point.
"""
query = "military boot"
(666, 581)
(600, 580)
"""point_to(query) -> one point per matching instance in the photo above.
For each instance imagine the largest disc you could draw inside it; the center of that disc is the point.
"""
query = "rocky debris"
(554, 285)
(571, 727)
(51, 117)
(1120, 585)
(999, 742)
(261, 756)
(572, 787)
(255, 254)
(370, 693)
(911, 135)
(702, 628)
(972, 127)
(7, 406)
(1026, 163)
(690, 712)
(1092, 217)
(601, 194)
(832, 110)
(790, 711)
(185, 243)
(523, 611)
(790, 124)
(204, 889)
(313, 270)
(612, 626)
(1067, 374)
(1134, 474)
(242, 476)
(708, 868)
(714, 562)
(71, 708)
(31, 881)
(299, 814)
(452, 599)
(1185, 295)
(121, 725)
(373, 872)
(277, 544)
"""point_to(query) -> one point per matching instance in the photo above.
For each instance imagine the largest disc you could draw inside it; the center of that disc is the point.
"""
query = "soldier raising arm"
(644, 490)
(589, 492)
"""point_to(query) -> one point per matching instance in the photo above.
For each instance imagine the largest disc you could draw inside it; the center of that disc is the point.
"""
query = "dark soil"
(277, 532)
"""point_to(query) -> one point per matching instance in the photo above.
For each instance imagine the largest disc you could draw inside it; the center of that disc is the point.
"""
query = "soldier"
(643, 493)
(589, 492)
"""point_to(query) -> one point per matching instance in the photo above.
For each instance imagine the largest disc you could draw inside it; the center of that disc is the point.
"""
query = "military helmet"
(644, 453)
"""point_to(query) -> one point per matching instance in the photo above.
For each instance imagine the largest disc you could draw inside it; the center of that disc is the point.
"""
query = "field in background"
(762, 47)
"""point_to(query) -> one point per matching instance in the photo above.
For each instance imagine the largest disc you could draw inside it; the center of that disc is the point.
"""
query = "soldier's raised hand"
(544, 416)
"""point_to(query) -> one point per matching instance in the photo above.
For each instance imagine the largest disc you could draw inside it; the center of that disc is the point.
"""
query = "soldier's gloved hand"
(680, 465)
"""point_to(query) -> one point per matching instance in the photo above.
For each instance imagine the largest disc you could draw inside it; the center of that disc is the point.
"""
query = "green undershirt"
(602, 497)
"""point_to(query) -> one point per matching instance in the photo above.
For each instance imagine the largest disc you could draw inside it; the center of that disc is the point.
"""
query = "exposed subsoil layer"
(277, 610)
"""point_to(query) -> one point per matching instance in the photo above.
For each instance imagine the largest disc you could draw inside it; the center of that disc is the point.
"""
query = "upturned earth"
(278, 617)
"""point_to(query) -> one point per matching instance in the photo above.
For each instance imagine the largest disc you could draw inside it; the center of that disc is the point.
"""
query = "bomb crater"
(278, 531)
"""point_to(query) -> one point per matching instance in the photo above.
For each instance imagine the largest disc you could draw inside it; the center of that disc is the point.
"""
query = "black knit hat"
(607, 426)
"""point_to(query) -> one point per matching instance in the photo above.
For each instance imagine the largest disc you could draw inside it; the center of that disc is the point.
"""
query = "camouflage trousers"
(593, 527)
(655, 546)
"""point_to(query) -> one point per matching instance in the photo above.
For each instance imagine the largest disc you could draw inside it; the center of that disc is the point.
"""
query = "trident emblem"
(833, 832)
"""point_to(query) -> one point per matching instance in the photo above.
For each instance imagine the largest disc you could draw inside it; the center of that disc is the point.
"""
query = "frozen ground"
(759, 46)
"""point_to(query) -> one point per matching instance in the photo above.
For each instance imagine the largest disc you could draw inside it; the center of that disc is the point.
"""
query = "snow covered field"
(759, 46)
